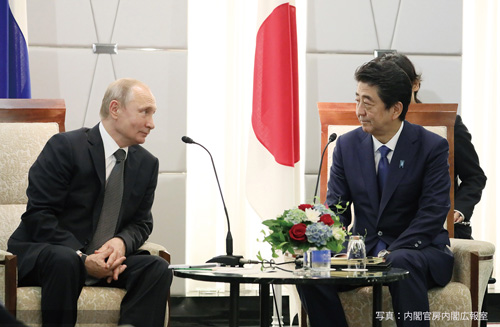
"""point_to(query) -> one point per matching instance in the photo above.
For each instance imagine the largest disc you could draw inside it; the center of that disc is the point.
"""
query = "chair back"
(341, 118)
(25, 127)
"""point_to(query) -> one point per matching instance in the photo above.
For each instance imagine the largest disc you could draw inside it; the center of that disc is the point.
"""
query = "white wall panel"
(139, 26)
(60, 22)
(330, 78)
(441, 78)
(166, 73)
(63, 73)
(385, 16)
(429, 26)
(147, 23)
(338, 26)
(103, 75)
(104, 13)
(310, 185)
(169, 214)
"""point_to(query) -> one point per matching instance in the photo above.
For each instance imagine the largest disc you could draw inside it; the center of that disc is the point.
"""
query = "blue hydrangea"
(295, 216)
(318, 234)
(323, 209)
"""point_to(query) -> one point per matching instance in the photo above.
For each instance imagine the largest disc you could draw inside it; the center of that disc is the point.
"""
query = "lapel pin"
(401, 163)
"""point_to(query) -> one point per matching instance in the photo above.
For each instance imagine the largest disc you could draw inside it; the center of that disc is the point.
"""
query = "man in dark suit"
(470, 180)
(402, 216)
(55, 241)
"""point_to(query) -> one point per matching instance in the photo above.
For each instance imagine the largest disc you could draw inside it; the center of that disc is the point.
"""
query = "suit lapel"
(365, 153)
(96, 149)
(403, 156)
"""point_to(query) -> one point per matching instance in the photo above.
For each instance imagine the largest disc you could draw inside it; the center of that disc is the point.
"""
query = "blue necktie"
(383, 170)
(383, 167)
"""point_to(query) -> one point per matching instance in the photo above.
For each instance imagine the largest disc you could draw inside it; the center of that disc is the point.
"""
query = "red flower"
(326, 219)
(298, 232)
(303, 207)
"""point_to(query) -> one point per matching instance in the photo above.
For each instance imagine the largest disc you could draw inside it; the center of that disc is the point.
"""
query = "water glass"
(320, 260)
(356, 253)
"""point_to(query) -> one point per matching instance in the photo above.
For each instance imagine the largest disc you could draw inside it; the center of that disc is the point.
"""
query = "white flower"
(312, 215)
(338, 233)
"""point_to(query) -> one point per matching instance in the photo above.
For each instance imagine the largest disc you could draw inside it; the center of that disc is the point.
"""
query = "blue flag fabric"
(14, 63)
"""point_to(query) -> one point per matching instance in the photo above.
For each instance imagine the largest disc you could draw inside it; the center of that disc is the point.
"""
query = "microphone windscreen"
(332, 137)
(187, 139)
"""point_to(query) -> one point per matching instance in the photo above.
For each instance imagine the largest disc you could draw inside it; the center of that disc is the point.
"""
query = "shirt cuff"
(461, 214)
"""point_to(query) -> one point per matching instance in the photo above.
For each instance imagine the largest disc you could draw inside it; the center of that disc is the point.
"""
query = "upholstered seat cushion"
(445, 304)
(97, 306)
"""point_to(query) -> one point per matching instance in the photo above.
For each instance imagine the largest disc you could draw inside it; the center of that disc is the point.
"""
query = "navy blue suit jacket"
(66, 192)
(416, 198)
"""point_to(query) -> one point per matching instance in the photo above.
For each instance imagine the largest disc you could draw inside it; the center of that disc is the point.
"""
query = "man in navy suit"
(403, 219)
(65, 196)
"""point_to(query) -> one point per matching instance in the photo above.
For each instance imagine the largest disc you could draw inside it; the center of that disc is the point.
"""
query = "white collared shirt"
(391, 145)
(110, 148)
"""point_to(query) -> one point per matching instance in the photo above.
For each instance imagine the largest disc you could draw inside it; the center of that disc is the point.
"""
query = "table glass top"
(277, 276)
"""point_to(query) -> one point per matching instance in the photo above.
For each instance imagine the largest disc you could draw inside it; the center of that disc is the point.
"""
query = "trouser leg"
(322, 304)
(409, 296)
(147, 280)
(61, 274)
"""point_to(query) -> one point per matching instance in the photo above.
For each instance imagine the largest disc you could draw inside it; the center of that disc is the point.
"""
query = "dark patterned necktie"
(111, 206)
(383, 167)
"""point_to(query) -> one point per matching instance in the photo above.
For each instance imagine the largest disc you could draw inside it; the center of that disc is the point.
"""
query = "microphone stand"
(332, 138)
(228, 259)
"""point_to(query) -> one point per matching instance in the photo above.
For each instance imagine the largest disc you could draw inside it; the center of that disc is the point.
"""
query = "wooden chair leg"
(11, 283)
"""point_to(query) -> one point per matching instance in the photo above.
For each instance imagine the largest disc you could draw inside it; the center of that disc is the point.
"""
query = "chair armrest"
(463, 267)
(159, 250)
(8, 280)
(156, 249)
(3, 253)
(473, 267)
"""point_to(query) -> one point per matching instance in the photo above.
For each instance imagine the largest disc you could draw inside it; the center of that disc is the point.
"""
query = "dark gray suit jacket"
(66, 192)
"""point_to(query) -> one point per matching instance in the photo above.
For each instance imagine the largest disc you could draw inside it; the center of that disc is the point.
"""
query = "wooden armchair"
(473, 259)
(25, 127)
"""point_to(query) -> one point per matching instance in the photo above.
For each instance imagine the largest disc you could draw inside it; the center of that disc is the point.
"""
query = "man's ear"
(398, 109)
(416, 86)
(114, 106)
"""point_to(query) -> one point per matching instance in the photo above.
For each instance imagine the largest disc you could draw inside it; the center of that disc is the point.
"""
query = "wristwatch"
(383, 253)
(82, 255)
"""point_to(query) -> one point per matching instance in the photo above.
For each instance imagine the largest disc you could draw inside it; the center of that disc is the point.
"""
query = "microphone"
(332, 138)
(229, 259)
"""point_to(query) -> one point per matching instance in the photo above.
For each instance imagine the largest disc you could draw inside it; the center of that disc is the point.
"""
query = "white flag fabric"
(273, 176)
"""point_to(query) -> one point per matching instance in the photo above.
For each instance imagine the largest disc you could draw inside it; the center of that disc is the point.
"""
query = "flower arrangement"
(307, 226)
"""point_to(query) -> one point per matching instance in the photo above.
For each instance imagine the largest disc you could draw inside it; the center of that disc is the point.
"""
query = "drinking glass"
(356, 253)
(320, 260)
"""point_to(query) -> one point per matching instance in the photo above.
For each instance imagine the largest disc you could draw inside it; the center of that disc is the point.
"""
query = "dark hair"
(405, 64)
(393, 85)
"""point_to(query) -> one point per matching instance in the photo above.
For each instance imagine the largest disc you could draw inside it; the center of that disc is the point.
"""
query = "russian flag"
(273, 176)
(14, 64)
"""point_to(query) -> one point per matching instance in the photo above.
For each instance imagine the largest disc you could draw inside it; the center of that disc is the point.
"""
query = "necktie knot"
(383, 167)
(384, 151)
(119, 155)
